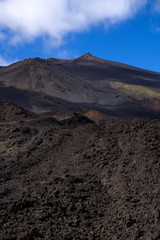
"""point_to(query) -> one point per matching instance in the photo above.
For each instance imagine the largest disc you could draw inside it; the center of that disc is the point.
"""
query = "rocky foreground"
(72, 178)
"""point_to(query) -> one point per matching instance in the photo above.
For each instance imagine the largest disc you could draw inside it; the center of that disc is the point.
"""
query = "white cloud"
(4, 62)
(65, 54)
(28, 19)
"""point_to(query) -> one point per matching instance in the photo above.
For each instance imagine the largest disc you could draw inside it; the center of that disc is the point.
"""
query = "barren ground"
(76, 179)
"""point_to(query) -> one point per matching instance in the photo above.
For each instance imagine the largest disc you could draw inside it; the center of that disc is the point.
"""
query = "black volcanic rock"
(74, 179)
(84, 174)
(10, 112)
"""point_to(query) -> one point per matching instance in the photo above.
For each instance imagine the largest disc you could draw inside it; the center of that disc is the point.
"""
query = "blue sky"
(125, 31)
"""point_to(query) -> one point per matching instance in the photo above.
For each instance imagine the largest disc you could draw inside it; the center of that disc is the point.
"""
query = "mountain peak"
(88, 56)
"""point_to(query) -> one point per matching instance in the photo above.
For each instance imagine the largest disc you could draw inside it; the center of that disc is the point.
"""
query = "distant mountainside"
(116, 89)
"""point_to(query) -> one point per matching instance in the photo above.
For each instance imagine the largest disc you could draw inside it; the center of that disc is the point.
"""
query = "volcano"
(116, 89)
(74, 163)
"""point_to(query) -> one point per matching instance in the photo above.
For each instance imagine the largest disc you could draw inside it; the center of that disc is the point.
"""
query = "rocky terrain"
(79, 150)
(116, 89)
(69, 177)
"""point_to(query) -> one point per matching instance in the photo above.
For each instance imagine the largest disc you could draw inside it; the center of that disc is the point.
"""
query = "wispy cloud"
(2, 36)
(156, 6)
(4, 62)
(27, 19)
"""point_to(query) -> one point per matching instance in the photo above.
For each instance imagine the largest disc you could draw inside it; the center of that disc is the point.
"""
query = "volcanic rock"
(76, 179)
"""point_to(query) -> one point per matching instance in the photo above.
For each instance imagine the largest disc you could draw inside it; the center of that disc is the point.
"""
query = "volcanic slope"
(75, 179)
(64, 85)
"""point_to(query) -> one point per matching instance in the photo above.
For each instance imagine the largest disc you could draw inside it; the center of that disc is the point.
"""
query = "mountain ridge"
(87, 81)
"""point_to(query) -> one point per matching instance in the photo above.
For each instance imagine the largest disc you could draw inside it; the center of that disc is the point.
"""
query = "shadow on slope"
(41, 103)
